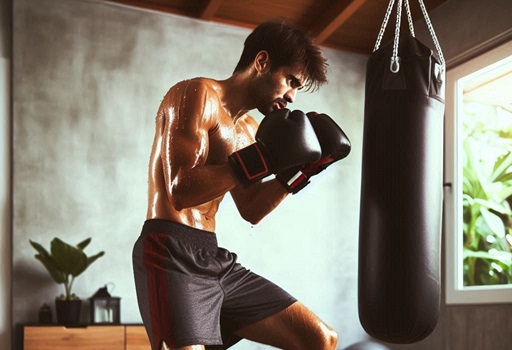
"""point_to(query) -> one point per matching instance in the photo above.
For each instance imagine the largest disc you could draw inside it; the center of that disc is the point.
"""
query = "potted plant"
(64, 263)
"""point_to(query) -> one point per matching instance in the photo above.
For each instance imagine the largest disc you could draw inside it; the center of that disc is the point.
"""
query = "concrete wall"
(5, 172)
(88, 79)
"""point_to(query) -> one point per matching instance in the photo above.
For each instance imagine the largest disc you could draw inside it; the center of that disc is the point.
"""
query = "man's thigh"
(248, 299)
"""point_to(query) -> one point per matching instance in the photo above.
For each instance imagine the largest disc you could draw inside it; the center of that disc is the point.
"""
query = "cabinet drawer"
(137, 338)
(88, 338)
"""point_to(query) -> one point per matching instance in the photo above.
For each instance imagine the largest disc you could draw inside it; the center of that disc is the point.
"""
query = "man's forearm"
(201, 185)
(259, 200)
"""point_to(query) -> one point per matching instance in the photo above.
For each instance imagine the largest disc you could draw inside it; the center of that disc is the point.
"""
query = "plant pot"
(68, 311)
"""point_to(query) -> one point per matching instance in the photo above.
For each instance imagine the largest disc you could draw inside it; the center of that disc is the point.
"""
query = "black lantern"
(105, 309)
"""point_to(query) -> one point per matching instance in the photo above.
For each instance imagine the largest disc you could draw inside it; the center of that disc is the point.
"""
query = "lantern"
(105, 309)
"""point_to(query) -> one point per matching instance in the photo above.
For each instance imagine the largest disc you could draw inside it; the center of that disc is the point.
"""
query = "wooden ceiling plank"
(141, 4)
(349, 15)
(210, 9)
(334, 17)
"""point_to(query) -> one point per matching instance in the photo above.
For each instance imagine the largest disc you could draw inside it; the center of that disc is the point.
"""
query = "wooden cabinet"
(111, 337)
(136, 338)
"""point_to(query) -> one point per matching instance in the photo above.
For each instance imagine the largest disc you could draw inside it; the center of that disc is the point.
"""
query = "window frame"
(456, 293)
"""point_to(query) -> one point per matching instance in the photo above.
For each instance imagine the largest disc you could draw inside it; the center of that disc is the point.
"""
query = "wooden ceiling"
(351, 25)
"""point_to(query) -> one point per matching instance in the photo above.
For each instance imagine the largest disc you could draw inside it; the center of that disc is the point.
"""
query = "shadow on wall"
(33, 283)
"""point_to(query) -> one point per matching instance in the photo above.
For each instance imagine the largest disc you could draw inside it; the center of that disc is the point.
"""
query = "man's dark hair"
(287, 46)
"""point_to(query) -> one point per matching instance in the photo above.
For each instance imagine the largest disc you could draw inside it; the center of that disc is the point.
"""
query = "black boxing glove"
(284, 139)
(335, 146)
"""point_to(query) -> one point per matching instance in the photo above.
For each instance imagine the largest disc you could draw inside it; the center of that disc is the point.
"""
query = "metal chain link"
(409, 17)
(395, 64)
(433, 34)
(384, 25)
(395, 60)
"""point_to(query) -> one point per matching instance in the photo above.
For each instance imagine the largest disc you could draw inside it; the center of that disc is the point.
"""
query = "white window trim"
(455, 292)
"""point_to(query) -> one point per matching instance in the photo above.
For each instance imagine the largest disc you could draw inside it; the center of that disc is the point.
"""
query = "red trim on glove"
(313, 167)
(244, 168)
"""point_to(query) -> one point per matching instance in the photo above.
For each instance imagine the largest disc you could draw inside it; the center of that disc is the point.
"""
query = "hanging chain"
(409, 17)
(395, 60)
(395, 64)
(384, 25)
(433, 34)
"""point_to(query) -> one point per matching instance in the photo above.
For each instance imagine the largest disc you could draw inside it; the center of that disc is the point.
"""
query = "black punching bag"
(401, 194)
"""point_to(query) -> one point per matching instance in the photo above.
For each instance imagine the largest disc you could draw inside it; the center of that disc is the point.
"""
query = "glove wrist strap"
(295, 183)
(249, 164)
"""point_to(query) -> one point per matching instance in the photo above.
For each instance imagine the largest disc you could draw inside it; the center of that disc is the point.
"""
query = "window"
(478, 156)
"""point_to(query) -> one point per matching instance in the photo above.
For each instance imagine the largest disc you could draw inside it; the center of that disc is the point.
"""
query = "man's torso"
(221, 138)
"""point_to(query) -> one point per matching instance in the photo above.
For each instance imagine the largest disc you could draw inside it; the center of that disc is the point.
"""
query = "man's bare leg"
(295, 328)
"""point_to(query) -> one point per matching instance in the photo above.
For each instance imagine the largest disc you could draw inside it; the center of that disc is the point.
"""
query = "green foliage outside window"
(487, 196)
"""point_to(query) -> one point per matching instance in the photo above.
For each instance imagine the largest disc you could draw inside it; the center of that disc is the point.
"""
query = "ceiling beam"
(334, 17)
(210, 9)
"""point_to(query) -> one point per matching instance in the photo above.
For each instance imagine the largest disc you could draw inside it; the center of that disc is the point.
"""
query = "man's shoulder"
(196, 85)
(196, 90)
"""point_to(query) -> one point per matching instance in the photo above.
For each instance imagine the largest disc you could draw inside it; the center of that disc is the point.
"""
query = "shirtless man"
(192, 294)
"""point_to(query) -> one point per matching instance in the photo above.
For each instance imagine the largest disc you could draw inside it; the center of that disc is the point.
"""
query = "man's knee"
(164, 346)
(325, 339)
(330, 339)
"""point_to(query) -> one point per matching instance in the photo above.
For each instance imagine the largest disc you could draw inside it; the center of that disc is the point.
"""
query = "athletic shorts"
(190, 291)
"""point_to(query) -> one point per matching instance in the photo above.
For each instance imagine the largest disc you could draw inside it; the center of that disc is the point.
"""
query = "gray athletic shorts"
(190, 291)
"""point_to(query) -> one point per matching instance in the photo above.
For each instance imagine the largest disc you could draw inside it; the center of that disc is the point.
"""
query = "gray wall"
(5, 173)
(88, 79)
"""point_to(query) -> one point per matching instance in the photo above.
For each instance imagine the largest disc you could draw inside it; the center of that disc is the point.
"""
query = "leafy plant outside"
(487, 197)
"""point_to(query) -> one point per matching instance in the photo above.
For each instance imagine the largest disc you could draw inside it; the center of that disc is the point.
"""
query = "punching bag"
(401, 190)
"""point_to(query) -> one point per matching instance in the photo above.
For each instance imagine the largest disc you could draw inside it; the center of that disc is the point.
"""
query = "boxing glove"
(284, 139)
(335, 145)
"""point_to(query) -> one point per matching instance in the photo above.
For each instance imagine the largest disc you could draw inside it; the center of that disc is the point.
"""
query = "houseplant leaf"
(49, 263)
(93, 258)
(64, 262)
(69, 259)
(84, 243)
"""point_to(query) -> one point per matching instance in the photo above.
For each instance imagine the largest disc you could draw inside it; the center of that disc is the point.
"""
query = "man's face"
(275, 88)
